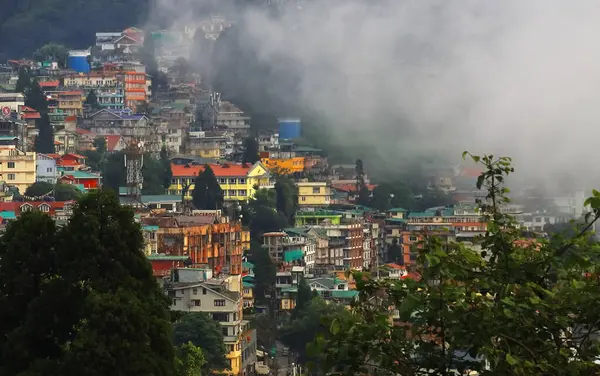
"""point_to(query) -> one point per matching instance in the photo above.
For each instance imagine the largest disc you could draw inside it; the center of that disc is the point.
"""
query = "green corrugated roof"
(247, 284)
(247, 265)
(150, 228)
(397, 210)
(289, 289)
(395, 220)
(301, 231)
(248, 278)
(292, 255)
(82, 174)
(167, 258)
(8, 215)
(344, 294)
(420, 215)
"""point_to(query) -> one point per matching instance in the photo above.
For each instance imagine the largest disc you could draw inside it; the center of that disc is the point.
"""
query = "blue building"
(78, 61)
(289, 128)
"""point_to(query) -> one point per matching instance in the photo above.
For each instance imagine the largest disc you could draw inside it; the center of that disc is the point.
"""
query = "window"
(11, 176)
(222, 181)
(195, 291)
(316, 189)
(49, 169)
(232, 181)
(412, 238)
(219, 302)
(203, 291)
(538, 219)
(196, 302)
(303, 198)
(225, 331)
(222, 317)
(11, 165)
(174, 301)
(232, 192)
(242, 181)
(241, 192)
(45, 208)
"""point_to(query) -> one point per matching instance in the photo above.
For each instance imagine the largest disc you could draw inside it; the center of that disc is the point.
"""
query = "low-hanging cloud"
(513, 77)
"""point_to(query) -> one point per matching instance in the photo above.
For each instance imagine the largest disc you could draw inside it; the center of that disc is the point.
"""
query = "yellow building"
(248, 294)
(17, 168)
(70, 102)
(313, 193)
(284, 166)
(238, 181)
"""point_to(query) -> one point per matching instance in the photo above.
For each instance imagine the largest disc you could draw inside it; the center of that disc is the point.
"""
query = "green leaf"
(335, 327)
(480, 180)
(508, 313)
(511, 360)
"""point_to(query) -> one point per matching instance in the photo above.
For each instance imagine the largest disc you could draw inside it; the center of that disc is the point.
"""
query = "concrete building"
(17, 168)
(14, 101)
(46, 170)
(313, 194)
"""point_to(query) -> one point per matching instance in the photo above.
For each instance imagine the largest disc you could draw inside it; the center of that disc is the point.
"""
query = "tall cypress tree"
(207, 194)
(23, 82)
(36, 99)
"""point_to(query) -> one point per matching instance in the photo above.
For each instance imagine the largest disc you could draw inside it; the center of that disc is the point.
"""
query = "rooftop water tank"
(289, 128)
(78, 61)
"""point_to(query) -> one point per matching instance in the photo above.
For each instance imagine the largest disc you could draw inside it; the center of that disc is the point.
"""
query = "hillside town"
(114, 125)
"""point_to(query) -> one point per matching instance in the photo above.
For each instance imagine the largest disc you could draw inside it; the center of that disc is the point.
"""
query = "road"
(283, 362)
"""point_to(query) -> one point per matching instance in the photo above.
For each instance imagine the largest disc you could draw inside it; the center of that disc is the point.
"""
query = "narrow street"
(283, 363)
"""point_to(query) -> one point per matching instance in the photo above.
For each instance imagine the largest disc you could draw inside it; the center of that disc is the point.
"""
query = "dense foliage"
(207, 193)
(72, 309)
(518, 307)
(201, 330)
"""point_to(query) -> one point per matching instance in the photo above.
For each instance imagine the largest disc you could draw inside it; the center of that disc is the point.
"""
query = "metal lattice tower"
(134, 161)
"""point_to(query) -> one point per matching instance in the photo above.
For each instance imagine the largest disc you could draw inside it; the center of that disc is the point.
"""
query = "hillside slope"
(25, 25)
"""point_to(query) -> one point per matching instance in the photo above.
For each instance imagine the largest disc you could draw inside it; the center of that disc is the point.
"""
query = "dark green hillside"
(26, 25)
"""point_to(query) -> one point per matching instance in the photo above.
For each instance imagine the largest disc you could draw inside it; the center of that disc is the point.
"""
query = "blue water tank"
(289, 128)
(78, 61)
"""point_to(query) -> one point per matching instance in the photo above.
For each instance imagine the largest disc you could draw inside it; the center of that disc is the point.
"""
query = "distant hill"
(26, 25)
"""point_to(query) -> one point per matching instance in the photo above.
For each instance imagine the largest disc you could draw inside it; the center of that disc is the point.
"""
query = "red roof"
(220, 170)
(57, 142)
(18, 206)
(78, 156)
(31, 115)
(471, 172)
(349, 187)
(83, 131)
(53, 155)
(27, 109)
(112, 142)
(49, 83)
(395, 266)
(71, 118)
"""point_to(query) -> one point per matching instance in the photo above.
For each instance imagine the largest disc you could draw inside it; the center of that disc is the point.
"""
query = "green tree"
(202, 331)
(303, 298)
(100, 144)
(362, 190)
(519, 307)
(113, 171)
(260, 213)
(207, 194)
(35, 97)
(155, 176)
(167, 174)
(265, 272)
(39, 188)
(23, 81)
(287, 197)
(92, 100)
(44, 142)
(92, 311)
(394, 253)
(66, 192)
(189, 360)
(250, 151)
(392, 195)
(266, 330)
(52, 52)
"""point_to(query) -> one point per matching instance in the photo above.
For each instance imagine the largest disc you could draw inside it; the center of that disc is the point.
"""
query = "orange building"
(284, 166)
(218, 245)
(136, 89)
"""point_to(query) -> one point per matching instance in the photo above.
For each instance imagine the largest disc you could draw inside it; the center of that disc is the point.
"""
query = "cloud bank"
(436, 77)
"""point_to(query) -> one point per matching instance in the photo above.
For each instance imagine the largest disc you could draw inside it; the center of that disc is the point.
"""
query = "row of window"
(220, 180)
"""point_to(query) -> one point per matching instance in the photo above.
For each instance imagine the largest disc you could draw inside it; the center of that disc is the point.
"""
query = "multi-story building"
(284, 249)
(107, 86)
(231, 117)
(65, 136)
(118, 123)
(46, 169)
(70, 102)
(313, 194)
(345, 245)
(136, 89)
(17, 168)
(218, 245)
(14, 101)
(238, 181)
(218, 299)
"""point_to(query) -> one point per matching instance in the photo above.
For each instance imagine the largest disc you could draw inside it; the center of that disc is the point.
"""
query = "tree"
(53, 52)
(207, 194)
(39, 188)
(250, 151)
(265, 272)
(44, 142)
(303, 298)
(35, 97)
(66, 192)
(100, 144)
(519, 307)
(287, 197)
(202, 331)
(24, 81)
(266, 330)
(69, 310)
(189, 360)
(122, 306)
(92, 100)
(361, 187)
(392, 195)
(167, 174)
(394, 253)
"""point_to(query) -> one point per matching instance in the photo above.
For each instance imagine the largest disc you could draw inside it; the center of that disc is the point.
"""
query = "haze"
(434, 78)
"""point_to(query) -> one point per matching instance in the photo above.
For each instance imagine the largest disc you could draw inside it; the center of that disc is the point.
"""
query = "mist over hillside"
(402, 79)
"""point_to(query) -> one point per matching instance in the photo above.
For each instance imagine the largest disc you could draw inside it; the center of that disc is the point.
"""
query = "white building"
(14, 101)
(46, 169)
